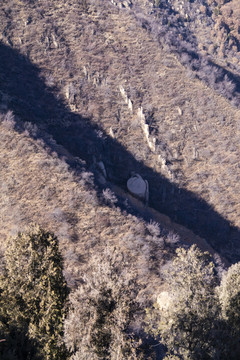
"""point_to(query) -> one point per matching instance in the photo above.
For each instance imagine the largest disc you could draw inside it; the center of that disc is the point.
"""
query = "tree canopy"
(195, 318)
(33, 294)
(101, 309)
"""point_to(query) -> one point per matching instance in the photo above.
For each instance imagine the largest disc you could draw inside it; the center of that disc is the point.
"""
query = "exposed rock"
(102, 168)
(111, 133)
(145, 127)
(126, 98)
(122, 3)
(138, 187)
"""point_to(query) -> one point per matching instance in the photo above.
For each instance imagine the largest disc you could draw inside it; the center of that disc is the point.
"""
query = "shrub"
(98, 323)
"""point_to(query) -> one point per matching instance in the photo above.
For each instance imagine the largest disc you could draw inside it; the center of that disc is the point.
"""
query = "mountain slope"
(97, 79)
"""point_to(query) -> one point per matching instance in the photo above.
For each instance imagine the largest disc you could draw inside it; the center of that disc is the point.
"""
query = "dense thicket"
(101, 311)
(175, 25)
(33, 294)
(196, 318)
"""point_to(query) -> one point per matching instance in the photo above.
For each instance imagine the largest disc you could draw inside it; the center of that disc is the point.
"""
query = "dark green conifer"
(33, 294)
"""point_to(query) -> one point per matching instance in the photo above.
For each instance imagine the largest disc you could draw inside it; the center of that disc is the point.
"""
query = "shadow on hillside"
(31, 100)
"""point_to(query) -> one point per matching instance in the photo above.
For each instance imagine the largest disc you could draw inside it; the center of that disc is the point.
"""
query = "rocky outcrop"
(138, 187)
(145, 127)
(122, 3)
(126, 99)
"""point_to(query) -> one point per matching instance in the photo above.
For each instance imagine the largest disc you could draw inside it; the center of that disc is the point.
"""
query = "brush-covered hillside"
(92, 92)
(130, 84)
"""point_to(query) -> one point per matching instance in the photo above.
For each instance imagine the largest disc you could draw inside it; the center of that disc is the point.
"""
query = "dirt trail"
(187, 237)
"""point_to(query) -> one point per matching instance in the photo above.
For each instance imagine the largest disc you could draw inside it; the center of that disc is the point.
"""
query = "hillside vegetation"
(140, 86)
(77, 56)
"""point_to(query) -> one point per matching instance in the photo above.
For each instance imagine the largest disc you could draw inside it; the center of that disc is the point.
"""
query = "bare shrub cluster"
(169, 25)
(101, 311)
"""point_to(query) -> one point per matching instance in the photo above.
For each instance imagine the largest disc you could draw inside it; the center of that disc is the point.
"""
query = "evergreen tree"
(33, 294)
(195, 318)
(229, 295)
(185, 315)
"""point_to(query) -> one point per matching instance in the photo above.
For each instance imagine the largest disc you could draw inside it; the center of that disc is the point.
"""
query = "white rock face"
(145, 128)
(122, 3)
(138, 187)
(126, 98)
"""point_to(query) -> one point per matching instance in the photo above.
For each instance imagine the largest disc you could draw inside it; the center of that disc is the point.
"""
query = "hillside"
(92, 91)
(51, 193)
(91, 73)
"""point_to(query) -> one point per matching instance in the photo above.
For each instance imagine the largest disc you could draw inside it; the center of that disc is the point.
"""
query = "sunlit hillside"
(93, 93)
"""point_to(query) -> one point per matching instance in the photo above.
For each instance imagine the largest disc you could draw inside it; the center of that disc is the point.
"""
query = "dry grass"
(68, 61)
(85, 53)
(38, 187)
